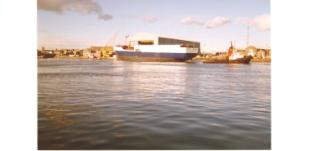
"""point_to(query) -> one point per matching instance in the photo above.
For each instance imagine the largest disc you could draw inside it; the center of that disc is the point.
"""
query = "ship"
(144, 47)
(49, 54)
(233, 57)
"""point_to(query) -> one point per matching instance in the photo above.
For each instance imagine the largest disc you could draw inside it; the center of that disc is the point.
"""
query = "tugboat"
(232, 57)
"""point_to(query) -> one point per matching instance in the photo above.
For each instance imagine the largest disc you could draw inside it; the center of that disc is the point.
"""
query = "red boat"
(231, 58)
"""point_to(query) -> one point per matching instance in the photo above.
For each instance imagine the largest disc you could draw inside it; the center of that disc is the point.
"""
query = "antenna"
(126, 38)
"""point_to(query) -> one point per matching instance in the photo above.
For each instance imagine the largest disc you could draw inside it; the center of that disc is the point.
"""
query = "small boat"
(49, 55)
(232, 57)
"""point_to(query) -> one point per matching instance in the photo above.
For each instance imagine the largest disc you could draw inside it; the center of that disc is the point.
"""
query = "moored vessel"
(145, 47)
(232, 57)
(49, 54)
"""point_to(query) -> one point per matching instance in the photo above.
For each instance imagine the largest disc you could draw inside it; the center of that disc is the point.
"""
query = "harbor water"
(108, 104)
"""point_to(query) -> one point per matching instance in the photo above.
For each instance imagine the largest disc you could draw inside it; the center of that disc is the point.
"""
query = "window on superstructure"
(145, 42)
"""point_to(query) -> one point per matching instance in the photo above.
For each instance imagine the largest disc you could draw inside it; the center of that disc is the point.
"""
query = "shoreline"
(198, 60)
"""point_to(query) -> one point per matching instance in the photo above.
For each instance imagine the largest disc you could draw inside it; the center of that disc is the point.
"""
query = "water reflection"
(124, 105)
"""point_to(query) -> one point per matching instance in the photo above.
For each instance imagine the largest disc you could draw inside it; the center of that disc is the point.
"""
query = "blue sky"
(78, 24)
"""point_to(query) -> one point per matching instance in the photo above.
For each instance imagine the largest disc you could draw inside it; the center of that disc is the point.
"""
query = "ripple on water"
(85, 104)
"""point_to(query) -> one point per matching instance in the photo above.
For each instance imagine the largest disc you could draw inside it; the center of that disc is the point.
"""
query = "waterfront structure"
(102, 51)
(86, 53)
(46, 53)
(57, 52)
(152, 47)
(251, 51)
(263, 53)
(260, 53)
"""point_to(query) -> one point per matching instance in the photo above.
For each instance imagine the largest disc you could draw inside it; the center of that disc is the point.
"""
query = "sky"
(214, 23)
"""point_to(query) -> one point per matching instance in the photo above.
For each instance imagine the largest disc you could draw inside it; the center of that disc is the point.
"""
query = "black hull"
(154, 57)
(245, 60)
(49, 55)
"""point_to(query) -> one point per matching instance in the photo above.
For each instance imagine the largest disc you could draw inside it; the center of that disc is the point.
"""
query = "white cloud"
(261, 22)
(149, 19)
(213, 23)
(192, 21)
(80, 6)
(217, 22)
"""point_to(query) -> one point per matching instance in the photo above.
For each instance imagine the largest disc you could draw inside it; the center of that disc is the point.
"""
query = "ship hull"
(153, 56)
(49, 55)
(245, 60)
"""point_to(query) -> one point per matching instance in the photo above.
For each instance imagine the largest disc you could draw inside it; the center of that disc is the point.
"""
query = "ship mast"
(231, 49)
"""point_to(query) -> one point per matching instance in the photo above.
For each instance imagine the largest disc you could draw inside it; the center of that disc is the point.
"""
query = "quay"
(155, 48)
(200, 58)
(245, 56)
(94, 52)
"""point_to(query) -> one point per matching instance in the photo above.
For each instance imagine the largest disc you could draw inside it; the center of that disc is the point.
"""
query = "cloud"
(149, 19)
(261, 22)
(217, 22)
(104, 17)
(192, 21)
(213, 23)
(80, 6)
